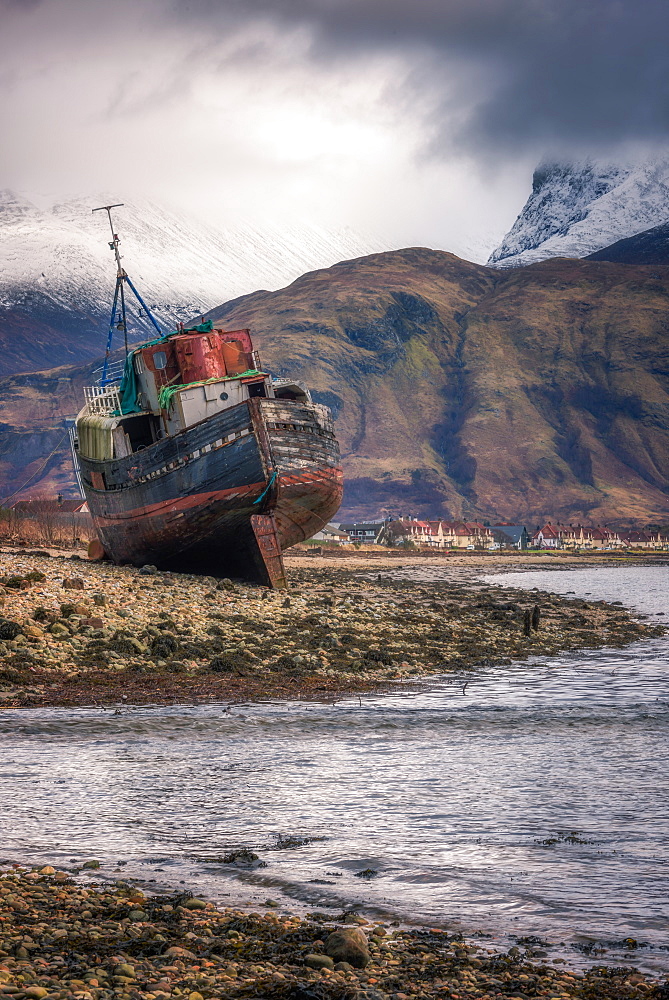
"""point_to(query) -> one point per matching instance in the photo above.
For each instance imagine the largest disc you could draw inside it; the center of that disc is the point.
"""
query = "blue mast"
(118, 320)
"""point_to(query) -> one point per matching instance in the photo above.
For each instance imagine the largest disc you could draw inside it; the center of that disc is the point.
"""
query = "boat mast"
(119, 321)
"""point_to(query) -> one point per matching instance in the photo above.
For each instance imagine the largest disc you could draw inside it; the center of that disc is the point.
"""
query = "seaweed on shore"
(63, 941)
(171, 638)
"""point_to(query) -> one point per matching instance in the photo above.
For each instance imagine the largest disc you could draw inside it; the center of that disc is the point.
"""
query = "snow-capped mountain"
(57, 272)
(182, 265)
(576, 209)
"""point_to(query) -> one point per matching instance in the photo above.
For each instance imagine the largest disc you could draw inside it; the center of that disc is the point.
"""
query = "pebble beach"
(77, 633)
(61, 939)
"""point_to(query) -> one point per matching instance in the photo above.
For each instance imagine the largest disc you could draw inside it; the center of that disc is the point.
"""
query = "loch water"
(523, 802)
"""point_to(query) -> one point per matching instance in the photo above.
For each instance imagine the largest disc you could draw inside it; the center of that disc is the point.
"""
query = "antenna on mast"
(119, 322)
(115, 240)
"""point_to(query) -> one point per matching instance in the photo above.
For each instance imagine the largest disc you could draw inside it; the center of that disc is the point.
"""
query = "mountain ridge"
(459, 390)
(57, 272)
(648, 247)
(578, 208)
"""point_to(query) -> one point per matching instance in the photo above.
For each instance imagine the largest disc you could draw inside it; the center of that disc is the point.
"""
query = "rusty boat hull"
(224, 497)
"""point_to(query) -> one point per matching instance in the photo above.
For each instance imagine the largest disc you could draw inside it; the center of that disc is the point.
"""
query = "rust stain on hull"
(186, 504)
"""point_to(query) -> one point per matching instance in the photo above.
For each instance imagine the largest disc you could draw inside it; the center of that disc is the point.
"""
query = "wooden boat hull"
(224, 497)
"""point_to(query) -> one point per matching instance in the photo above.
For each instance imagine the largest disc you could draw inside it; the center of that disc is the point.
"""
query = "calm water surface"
(533, 803)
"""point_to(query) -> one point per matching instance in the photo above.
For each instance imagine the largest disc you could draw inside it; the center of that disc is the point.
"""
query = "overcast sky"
(418, 119)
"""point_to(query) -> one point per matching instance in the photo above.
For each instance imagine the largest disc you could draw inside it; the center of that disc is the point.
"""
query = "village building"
(467, 535)
(510, 536)
(438, 534)
(650, 539)
(636, 539)
(558, 536)
(410, 530)
(659, 539)
(572, 537)
(547, 538)
(331, 533)
(365, 532)
(472, 535)
(600, 538)
(567, 536)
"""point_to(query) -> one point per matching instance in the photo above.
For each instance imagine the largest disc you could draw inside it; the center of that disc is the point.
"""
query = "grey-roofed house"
(331, 533)
(366, 532)
(510, 535)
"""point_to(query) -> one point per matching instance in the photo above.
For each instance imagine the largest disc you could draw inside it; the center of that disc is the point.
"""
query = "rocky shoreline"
(60, 939)
(74, 632)
(78, 633)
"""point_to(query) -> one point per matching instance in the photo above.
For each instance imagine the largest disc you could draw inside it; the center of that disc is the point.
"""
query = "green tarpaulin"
(205, 327)
(168, 391)
(128, 386)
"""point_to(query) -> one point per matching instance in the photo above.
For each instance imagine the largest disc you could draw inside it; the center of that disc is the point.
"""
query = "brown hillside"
(464, 390)
(458, 389)
(33, 411)
(40, 333)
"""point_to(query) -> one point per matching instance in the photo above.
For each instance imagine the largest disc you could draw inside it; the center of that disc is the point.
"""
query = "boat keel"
(267, 555)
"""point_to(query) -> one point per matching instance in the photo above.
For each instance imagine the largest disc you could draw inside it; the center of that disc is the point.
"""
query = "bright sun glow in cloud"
(240, 122)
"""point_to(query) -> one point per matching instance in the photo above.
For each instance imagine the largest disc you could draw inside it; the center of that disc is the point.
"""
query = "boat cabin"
(172, 384)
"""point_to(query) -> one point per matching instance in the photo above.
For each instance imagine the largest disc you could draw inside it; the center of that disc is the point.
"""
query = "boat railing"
(102, 400)
(115, 371)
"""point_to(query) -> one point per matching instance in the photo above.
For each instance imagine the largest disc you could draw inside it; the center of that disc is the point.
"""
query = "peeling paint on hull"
(224, 497)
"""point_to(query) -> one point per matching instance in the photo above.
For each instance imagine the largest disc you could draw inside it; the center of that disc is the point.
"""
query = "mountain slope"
(57, 271)
(577, 209)
(458, 390)
(649, 247)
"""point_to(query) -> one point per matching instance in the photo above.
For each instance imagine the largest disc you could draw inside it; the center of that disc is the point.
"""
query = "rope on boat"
(266, 490)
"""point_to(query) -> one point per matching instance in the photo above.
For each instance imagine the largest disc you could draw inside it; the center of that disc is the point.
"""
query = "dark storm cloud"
(425, 117)
(510, 72)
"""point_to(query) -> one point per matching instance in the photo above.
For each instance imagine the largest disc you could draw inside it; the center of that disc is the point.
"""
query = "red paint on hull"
(294, 509)
(173, 505)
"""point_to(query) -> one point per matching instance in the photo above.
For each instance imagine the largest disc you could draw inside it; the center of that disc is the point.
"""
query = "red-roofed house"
(466, 535)
(410, 529)
(547, 537)
(636, 540)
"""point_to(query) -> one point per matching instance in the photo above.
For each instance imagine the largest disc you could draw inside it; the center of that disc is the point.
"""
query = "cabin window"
(292, 391)
(160, 360)
(257, 390)
(141, 431)
(139, 364)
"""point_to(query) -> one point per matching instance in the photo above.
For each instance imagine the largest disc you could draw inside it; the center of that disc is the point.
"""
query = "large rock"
(9, 629)
(348, 944)
(58, 630)
(195, 904)
(318, 962)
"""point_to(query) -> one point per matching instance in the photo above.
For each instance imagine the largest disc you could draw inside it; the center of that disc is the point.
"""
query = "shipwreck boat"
(198, 460)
